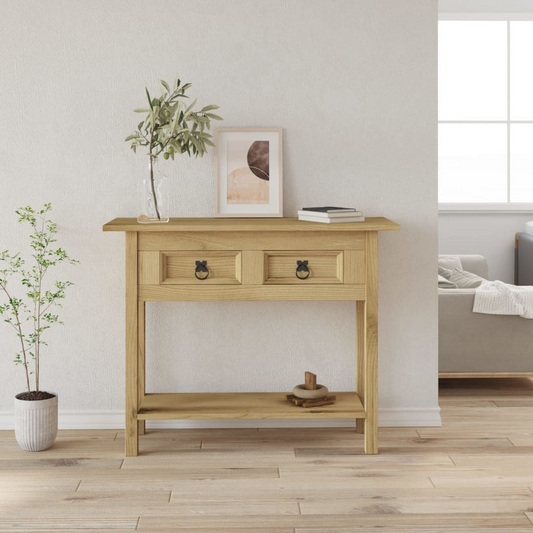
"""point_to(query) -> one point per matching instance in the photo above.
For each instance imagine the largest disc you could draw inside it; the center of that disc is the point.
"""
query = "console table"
(207, 259)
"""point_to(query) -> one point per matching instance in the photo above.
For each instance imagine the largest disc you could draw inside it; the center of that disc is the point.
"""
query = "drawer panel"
(323, 266)
(180, 268)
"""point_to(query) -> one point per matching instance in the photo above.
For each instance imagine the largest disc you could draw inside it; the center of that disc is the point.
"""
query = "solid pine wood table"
(206, 259)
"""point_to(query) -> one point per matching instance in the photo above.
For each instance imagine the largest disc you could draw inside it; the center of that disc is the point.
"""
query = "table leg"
(360, 318)
(141, 389)
(371, 345)
(132, 341)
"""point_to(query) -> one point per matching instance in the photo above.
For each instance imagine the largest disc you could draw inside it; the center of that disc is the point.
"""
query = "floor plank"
(319, 522)
(68, 524)
(408, 505)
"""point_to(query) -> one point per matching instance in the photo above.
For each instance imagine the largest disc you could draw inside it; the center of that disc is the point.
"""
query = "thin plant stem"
(38, 313)
(152, 185)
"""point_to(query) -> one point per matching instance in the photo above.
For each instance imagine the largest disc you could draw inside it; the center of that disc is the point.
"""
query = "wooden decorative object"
(310, 381)
(300, 391)
(310, 394)
(327, 400)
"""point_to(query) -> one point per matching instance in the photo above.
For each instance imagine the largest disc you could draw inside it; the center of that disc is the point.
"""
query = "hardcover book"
(329, 209)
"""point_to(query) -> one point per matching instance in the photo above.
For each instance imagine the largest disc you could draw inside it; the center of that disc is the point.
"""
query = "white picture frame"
(242, 157)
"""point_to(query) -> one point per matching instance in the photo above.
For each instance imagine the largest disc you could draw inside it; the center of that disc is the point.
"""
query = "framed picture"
(248, 172)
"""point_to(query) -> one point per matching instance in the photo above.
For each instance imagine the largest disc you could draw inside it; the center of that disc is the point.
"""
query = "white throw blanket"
(499, 298)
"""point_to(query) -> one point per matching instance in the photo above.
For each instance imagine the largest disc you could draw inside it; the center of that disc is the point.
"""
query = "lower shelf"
(243, 405)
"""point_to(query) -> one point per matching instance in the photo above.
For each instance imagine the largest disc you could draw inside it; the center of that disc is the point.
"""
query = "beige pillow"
(449, 261)
(466, 280)
(445, 273)
(446, 283)
(462, 278)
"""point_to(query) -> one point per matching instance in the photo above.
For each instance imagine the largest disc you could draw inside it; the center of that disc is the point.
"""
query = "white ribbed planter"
(36, 424)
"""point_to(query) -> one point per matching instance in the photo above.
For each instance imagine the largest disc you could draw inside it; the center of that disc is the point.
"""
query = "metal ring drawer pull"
(201, 267)
(302, 270)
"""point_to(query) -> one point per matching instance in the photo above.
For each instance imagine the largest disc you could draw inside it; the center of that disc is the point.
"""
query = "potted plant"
(170, 127)
(30, 316)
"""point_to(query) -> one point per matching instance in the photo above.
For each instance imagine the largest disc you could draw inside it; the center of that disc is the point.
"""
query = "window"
(486, 114)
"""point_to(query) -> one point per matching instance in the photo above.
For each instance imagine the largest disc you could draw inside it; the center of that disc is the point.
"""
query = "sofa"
(477, 345)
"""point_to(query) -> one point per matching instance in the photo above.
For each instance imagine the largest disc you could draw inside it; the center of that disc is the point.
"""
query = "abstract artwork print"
(248, 167)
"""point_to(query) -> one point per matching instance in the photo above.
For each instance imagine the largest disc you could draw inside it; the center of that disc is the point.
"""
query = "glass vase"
(154, 195)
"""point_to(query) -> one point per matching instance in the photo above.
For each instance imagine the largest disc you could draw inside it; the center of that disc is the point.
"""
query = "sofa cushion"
(450, 261)
(445, 273)
(476, 264)
(446, 283)
(461, 278)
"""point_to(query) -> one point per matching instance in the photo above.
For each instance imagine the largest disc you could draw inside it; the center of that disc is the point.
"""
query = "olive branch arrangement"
(37, 305)
(172, 127)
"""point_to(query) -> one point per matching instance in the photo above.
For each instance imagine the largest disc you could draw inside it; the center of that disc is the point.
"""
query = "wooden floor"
(475, 474)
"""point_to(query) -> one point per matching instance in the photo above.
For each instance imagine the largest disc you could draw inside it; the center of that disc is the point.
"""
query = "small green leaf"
(165, 85)
(149, 98)
(208, 108)
(175, 124)
(191, 106)
(142, 110)
(213, 116)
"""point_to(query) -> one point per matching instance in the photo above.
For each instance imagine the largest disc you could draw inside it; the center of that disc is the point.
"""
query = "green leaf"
(173, 108)
(191, 106)
(194, 142)
(142, 110)
(149, 98)
(213, 116)
(208, 108)
(131, 137)
(186, 86)
(165, 85)
(175, 124)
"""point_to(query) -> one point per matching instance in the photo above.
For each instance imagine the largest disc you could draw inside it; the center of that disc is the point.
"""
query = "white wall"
(352, 82)
(484, 6)
(491, 235)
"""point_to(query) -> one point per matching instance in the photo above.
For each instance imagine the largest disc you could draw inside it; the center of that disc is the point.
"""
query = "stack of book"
(330, 214)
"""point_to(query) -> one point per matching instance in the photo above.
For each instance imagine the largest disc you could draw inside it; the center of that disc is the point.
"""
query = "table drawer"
(201, 267)
(288, 268)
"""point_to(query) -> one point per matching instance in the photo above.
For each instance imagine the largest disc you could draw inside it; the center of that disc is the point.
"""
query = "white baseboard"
(409, 417)
(115, 420)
